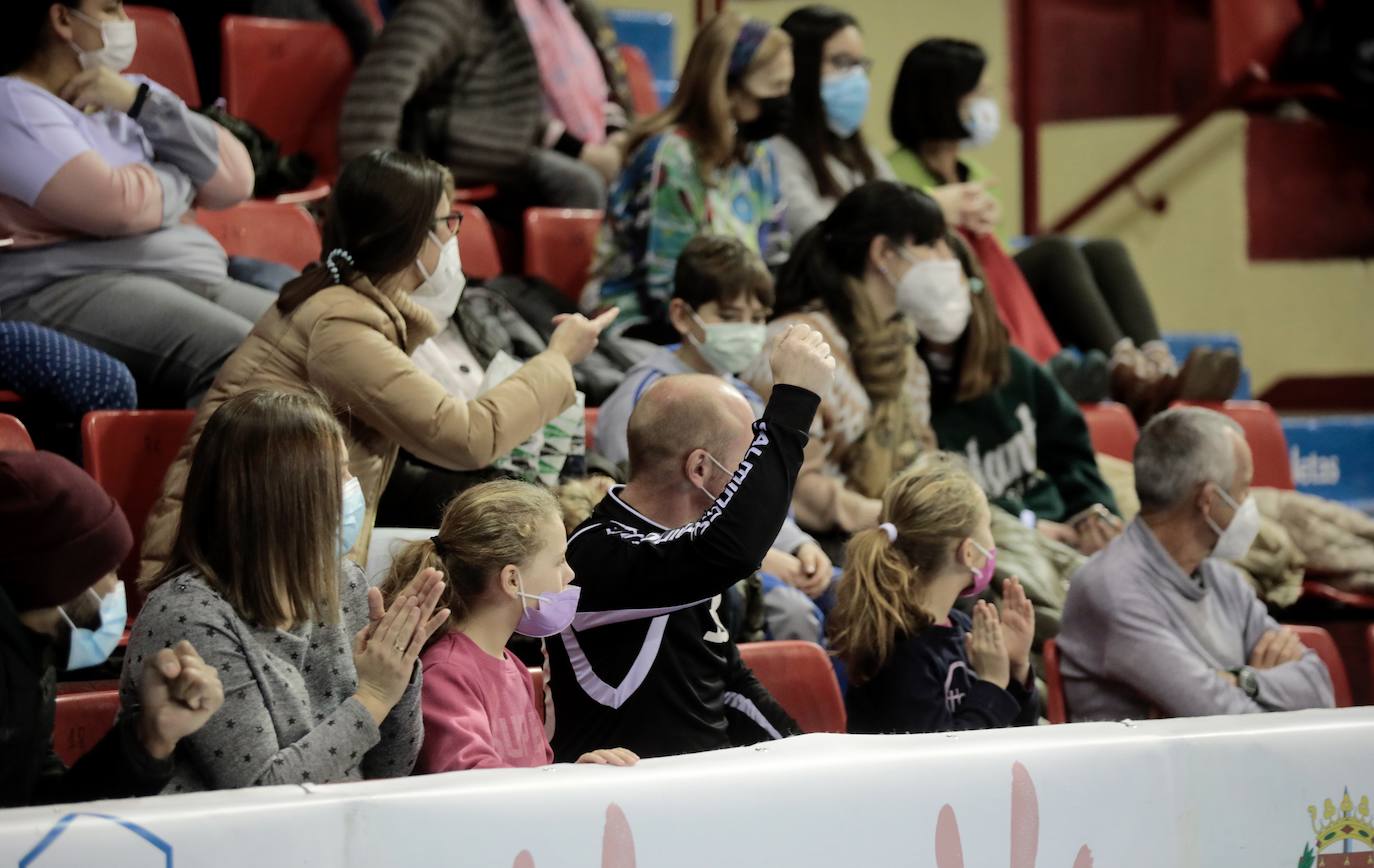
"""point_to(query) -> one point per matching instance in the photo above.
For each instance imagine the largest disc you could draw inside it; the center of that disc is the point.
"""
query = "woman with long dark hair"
(822, 153)
(349, 325)
(876, 276)
(851, 277)
(1023, 437)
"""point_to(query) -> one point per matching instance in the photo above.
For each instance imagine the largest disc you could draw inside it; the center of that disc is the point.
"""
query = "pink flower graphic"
(617, 843)
(1025, 829)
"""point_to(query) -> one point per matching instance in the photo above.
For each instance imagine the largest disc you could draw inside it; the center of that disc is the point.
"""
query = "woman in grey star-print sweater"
(279, 619)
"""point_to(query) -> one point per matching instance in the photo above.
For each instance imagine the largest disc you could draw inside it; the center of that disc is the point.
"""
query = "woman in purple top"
(100, 174)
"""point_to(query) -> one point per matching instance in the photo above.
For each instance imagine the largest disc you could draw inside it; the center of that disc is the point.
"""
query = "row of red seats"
(559, 242)
(1114, 433)
(128, 452)
(797, 674)
(259, 54)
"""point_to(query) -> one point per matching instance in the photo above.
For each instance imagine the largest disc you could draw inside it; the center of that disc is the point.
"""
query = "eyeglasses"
(846, 62)
(453, 222)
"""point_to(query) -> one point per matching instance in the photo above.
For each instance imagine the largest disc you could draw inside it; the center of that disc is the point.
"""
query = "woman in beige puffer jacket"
(347, 328)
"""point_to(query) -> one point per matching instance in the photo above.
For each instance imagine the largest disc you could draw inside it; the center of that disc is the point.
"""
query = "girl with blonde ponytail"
(501, 546)
(916, 663)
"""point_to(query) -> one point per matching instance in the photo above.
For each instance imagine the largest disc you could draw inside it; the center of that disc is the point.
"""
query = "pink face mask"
(554, 615)
(982, 577)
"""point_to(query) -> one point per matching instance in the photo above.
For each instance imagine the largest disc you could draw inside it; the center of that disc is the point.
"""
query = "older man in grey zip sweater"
(1159, 621)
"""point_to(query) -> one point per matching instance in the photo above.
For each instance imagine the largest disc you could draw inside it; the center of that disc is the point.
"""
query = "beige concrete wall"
(1300, 317)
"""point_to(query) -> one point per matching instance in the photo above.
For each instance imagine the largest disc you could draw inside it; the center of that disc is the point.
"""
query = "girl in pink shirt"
(501, 545)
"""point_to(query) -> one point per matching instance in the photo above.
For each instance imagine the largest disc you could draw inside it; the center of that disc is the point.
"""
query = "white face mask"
(1234, 542)
(983, 121)
(120, 42)
(730, 346)
(441, 290)
(933, 293)
(723, 469)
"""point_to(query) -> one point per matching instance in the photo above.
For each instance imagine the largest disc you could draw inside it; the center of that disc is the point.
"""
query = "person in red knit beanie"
(61, 607)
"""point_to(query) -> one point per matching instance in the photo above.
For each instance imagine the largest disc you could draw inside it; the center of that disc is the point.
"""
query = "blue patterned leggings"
(45, 366)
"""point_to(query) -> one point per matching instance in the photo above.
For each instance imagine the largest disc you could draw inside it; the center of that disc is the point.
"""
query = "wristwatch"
(1246, 680)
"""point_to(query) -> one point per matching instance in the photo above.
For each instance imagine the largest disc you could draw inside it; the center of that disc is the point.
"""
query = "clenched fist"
(802, 359)
(178, 692)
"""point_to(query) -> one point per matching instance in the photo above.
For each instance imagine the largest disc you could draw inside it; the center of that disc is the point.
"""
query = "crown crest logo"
(1344, 835)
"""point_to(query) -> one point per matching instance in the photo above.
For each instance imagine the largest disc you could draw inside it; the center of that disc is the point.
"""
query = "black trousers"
(1089, 292)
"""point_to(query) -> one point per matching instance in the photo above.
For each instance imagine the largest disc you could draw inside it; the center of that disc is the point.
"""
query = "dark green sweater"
(1026, 443)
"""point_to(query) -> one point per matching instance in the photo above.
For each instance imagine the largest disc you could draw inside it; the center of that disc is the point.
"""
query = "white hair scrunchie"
(334, 269)
(890, 529)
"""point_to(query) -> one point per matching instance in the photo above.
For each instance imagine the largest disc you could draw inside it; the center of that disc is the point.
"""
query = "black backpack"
(273, 173)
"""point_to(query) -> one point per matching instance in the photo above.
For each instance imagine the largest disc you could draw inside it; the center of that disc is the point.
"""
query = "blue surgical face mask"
(845, 97)
(354, 511)
(93, 647)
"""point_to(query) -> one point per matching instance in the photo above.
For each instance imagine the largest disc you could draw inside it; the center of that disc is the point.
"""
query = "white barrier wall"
(1209, 792)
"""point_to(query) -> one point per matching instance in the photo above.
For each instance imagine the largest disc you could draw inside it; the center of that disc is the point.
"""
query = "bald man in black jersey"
(647, 662)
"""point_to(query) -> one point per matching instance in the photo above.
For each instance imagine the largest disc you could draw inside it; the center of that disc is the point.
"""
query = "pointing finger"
(606, 318)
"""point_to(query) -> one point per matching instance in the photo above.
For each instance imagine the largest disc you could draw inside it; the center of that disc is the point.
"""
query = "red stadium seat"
(640, 77)
(1265, 436)
(537, 676)
(1016, 303)
(593, 413)
(128, 453)
(801, 679)
(82, 719)
(559, 246)
(163, 53)
(1315, 588)
(1056, 708)
(1254, 31)
(288, 78)
(477, 243)
(1321, 642)
(1112, 429)
(275, 231)
(14, 437)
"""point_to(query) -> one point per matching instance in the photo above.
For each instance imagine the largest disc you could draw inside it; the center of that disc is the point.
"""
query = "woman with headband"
(348, 325)
(698, 166)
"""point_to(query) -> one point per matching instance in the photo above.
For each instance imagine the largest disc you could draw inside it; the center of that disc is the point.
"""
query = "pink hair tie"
(890, 529)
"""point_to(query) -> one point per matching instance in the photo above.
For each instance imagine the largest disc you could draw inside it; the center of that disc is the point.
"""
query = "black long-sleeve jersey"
(647, 663)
